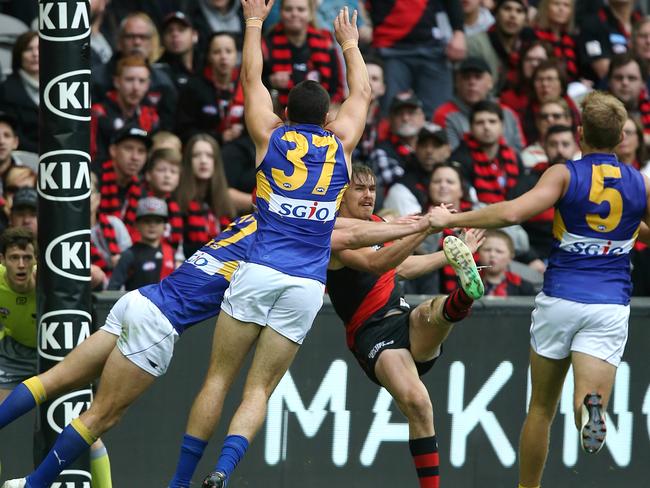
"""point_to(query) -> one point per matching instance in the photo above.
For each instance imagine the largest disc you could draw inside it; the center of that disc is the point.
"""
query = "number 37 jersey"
(300, 184)
(595, 227)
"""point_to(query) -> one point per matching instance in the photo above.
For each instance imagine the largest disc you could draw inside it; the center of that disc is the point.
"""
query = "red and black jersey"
(564, 48)
(511, 285)
(644, 111)
(107, 118)
(118, 201)
(359, 297)
(409, 24)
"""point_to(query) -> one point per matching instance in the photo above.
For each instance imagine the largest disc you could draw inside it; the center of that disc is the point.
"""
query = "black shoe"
(592, 436)
(216, 479)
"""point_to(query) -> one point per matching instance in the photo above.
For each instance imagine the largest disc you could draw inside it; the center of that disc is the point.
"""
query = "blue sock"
(19, 402)
(71, 443)
(234, 448)
(191, 451)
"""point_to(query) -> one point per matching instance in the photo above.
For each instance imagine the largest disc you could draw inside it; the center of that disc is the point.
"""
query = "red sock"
(425, 457)
(457, 305)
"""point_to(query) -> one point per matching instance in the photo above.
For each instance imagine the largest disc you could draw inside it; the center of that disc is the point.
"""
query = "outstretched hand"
(438, 217)
(344, 28)
(256, 8)
(473, 238)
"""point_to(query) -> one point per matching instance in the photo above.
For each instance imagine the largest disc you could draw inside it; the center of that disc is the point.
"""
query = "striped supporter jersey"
(193, 292)
(594, 229)
(300, 184)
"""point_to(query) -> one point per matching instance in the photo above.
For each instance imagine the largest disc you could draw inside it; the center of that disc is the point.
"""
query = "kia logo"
(64, 176)
(61, 331)
(68, 95)
(63, 21)
(69, 255)
(68, 407)
(73, 478)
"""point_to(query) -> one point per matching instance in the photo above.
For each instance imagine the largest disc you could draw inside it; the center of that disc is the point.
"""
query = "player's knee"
(416, 405)
(257, 395)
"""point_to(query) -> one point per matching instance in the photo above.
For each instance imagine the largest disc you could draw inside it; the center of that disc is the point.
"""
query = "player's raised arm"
(351, 118)
(258, 106)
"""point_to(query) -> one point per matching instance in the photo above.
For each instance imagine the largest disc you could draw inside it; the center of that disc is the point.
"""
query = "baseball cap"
(10, 120)
(473, 64)
(432, 131)
(132, 132)
(523, 3)
(405, 99)
(25, 197)
(176, 16)
(151, 206)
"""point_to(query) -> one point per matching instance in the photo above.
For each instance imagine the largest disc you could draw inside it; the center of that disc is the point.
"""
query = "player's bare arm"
(548, 190)
(351, 118)
(353, 233)
(258, 105)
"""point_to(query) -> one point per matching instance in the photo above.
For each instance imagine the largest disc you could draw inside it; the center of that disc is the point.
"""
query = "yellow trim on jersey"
(246, 231)
(36, 388)
(339, 197)
(83, 431)
(228, 269)
(558, 225)
(263, 187)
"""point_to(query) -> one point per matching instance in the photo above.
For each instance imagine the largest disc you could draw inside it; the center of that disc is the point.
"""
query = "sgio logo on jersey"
(592, 246)
(303, 209)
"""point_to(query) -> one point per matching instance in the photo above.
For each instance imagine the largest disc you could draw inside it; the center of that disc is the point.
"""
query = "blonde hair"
(504, 236)
(165, 139)
(543, 21)
(603, 118)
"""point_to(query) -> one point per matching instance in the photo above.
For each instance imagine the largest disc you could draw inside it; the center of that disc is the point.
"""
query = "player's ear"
(286, 113)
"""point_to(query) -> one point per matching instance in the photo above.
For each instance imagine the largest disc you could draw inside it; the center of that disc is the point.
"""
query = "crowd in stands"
(472, 101)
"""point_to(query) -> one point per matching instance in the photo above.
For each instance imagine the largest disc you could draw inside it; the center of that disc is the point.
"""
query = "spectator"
(641, 40)
(138, 36)
(19, 92)
(488, 163)
(477, 18)
(501, 46)
(327, 11)
(162, 176)
(213, 103)
(120, 184)
(209, 16)
(473, 85)
(24, 210)
(181, 55)
(297, 51)
(518, 97)
(604, 34)
(375, 68)
(626, 82)
(16, 177)
(631, 149)
(101, 49)
(555, 25)
(126, 105)
(241, 173)
(389, 157)
(552, 112)
(496, 254)
(151, 259)
(412, 46)
(548, 83)
(8, 144)
(109, 237)
(166, 140)
(410, 195)
(203, 193)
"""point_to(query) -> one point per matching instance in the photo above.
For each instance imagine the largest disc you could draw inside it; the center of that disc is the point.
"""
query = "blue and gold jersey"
(595, 227)
(193, 292)
(300, 184)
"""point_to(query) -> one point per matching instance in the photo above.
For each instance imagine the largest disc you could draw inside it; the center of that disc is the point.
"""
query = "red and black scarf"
(501, 289)
(403, 150)
(110, 202)
(564, 49)
(492, 177)
(321, 57)
(229, 101)
(644, 109)
(201, 224)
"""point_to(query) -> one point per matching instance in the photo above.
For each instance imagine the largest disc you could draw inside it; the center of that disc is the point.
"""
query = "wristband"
(254, 22)
(349, 44)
